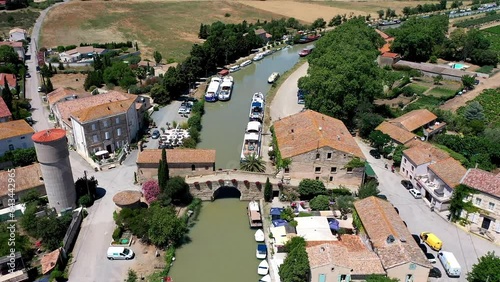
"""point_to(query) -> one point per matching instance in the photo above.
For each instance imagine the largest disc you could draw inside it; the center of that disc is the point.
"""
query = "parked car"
(28, 75)
(431, 240)
(156, 134)
(430, 257)
(435, 272)
(383, 197)
(416, 238)
(407, 184)
(415, 193)
(375, 153)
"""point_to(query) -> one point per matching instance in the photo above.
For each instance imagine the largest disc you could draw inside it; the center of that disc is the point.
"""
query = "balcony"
(436, 190)
(434, 128)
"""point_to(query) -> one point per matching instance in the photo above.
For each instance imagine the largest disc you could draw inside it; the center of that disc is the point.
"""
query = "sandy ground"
(73, 81)
(146, 263)
(459, 101)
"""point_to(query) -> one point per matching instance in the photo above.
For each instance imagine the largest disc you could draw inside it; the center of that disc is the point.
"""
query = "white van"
(120, 253)
(450, 264)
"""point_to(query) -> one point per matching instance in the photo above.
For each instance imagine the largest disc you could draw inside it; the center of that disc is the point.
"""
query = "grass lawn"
(424, 102)
(24, 18)
(417, 88)
(168, 27)
(441, 92)
(485, 69)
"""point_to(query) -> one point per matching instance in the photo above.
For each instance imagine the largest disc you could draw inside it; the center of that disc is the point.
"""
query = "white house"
(15, 135)
(79, 53)
(17, 34)
(418, 157)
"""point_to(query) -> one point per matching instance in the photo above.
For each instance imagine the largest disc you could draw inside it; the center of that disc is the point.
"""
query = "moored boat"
(234, 68)
(251, 140)
(266, 278)
(273, 77)
(263, 268)
(226, 88)
(213, 89)
(245, 63)
(257, 107)
(258, 57)
(254, 216)
(261, 252)
(259, 236)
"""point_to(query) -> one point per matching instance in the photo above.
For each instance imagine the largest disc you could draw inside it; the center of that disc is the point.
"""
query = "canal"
(224, 123)
(222, 246)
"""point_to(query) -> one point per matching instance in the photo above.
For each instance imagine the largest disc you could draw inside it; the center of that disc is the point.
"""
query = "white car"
(415, 193)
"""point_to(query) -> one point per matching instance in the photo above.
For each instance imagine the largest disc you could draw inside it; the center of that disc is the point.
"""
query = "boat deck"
(251, 147)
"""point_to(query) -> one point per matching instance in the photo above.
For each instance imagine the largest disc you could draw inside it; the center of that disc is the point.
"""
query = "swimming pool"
(459, 66)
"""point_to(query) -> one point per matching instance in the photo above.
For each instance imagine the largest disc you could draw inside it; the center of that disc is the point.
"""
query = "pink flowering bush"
(151, 190)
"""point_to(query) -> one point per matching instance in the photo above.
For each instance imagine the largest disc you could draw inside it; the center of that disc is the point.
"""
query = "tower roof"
(49, 135)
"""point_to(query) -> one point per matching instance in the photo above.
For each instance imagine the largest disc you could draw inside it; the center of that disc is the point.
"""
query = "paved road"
(285, 101)
(417, 215)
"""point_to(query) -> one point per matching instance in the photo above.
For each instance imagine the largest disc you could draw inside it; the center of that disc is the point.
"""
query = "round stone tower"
(53, 155)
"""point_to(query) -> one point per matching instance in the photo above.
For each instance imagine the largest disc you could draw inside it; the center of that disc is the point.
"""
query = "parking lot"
(418, 216)
(164, 115)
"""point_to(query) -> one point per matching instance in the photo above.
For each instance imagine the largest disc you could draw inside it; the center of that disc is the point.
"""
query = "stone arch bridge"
(249, 184)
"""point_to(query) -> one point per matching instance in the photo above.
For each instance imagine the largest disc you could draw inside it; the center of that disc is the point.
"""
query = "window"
(468, 198)
(317, 169)
(95, 138)
(193, 168)
(412, 168)
(331, 178)
(349, 170)
(11, 147)
(93, 126)
(105, 123)
(333, 169)
(409, 277)
(404, 169)
(478, 201)
(491, 206)
(117, 120)
(287, 170)
(107, 136)
(317, 177)
(329, 156)
(317, 156)
(118, 132)
(411, 177)
(404, 160)
(23, 137)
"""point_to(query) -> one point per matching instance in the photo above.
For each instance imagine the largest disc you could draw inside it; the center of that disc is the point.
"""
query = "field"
(169, 27)
(442, 93)
(371, 7)
(10, 19)
(493, 34)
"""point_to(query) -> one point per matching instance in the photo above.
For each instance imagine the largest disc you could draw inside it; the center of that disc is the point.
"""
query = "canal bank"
(224, 123)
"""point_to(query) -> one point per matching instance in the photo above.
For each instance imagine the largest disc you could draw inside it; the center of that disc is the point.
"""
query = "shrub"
(151, 190)
(117, 233)
(56, 275)
(86, 201)
(320, 203)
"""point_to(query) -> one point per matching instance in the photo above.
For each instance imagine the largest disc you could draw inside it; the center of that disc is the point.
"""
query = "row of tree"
(426, 8)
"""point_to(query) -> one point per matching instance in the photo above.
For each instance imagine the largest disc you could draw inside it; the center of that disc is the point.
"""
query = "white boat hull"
(259, 236)
(263, 268)
(260, 256)
(266, 278)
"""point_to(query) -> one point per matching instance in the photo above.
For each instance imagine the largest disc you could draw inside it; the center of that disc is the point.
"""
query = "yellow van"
(432, 240)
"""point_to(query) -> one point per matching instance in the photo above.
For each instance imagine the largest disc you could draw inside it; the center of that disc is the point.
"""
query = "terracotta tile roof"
(350, 253)
(384, 35)
(310, 130)
(27, 177)
(422, 152)
(260, 31)
(49, 261)
(103, 110)
(483, 181)
(11, 79)
(153, 156)
(127, 197)
(390, 55)
(449, 170)
(14, 128)
(381, 220)
(67, 107)
(13, 44)
(61, 93)
(4, 110)
(385, 48)
(397, 133)
(17, 30)
(414, 119)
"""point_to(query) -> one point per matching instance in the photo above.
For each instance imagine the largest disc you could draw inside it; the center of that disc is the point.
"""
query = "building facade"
(14, 135)
(27, 178)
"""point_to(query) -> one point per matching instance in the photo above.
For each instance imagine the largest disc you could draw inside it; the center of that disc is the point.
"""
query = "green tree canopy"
(380, 278)
(165, 227)
(379, 140)
(320, 203)
(486, 270)
(268, 191)
(178, 190)
(253, 163)
(474, 111)
(157, 56)
(368, 189)
(309, 188)
(296, 267)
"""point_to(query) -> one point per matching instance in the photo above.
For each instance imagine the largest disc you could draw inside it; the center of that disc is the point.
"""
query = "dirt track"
(459, 101)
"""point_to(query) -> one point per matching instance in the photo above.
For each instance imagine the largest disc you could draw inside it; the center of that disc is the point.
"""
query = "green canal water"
(222, 247)
(224, 123)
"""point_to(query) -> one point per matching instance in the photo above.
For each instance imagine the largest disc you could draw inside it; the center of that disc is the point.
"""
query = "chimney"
(338, 137)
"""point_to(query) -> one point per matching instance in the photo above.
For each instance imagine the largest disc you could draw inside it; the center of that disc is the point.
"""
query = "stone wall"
(249, 190)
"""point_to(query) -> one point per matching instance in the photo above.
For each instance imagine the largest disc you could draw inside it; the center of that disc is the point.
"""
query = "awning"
(334, 224)
(279, 222)
(101, 153)
(276, 211)
(369, 171)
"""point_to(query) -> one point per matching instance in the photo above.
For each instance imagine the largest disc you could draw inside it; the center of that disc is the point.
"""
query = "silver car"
(415, 193)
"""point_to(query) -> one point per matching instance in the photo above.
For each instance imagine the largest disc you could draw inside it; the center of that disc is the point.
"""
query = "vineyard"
(479, 21)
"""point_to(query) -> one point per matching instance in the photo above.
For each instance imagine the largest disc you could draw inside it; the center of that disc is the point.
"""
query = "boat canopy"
(252, 136)
(253, 126)
(256, 104)
(276, 211)
(262, 248)
(253, 206)
(279, 222)
(334, 224)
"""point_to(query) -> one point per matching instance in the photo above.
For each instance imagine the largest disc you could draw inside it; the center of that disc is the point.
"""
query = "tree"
(86, 186)
(165, 227)
(22, 242)
(178, 190)
(131, 275)
(438, 79)
(380, 278)
(160, 94)
(268, 191)
(33, 196)
(318, 23)
(50, 87)
(253, 163)
(151, 190)
(60, 66)
(8, 55)
(157, 56)
(367, 122)
(119, 73)
(7, 94)
(163, 172)
(468, 81)
(379, 139)
(368, 189)
(487, 269)
(398, 155)
(459, 202)
(296, 266)
(380, 14)
(474, 111)
(320, 203)
(309, 188)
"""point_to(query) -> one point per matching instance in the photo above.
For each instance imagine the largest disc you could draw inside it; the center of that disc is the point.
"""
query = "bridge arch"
(224, 191)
